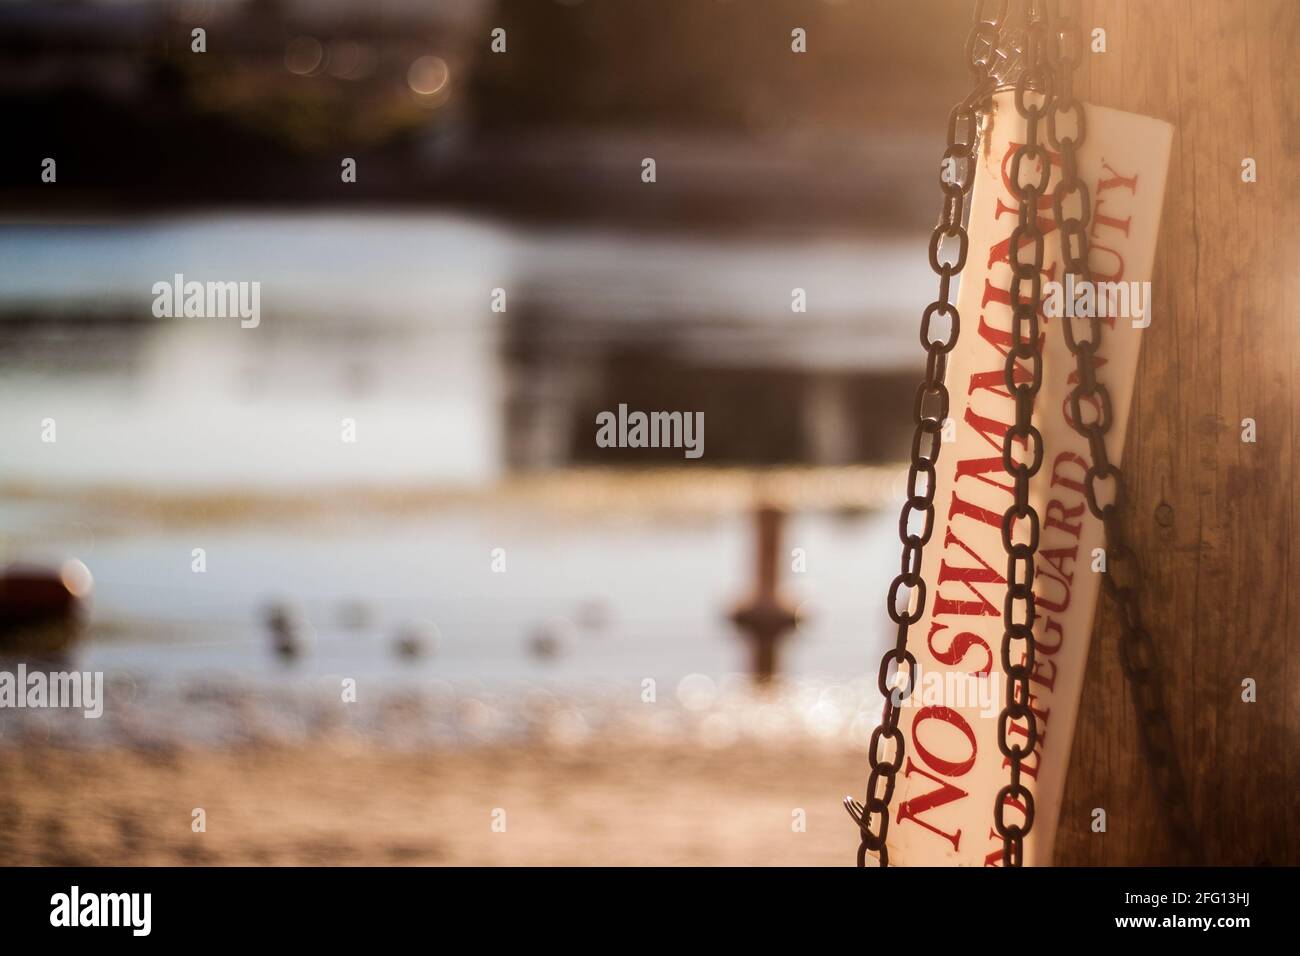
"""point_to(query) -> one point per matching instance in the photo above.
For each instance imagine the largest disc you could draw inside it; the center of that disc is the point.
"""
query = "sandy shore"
(606, 804)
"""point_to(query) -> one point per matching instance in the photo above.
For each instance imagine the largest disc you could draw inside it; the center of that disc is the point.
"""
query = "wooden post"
(765, 617)
(1211, 516)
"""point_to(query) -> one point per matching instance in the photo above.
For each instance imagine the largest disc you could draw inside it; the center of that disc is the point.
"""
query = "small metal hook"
(856, 810)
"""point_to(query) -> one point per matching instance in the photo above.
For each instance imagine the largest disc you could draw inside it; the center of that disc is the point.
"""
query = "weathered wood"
(1211, 517)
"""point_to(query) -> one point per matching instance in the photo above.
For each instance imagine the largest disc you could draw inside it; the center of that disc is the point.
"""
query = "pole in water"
(765, 617)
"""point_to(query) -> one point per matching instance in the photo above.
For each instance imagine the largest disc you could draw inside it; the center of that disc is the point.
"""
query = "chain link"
(1137, 650)
(1044, 94)
(906, 598)
(1024, 379)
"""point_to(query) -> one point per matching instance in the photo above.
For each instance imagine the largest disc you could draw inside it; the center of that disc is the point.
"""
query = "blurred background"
(530, 620)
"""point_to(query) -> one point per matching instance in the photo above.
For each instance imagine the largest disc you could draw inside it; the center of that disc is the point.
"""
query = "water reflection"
(388, 320)
(179, 433)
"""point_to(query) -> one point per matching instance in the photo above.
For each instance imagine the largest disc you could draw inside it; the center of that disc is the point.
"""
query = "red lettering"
(944, 793)
(1116, 181)
(982, 515)
(949, 768)
(958, 647)
(1037, 676)
(1040, 592)
(984, 574)
(1042, 647)
(1058, 469)
(1056, 515)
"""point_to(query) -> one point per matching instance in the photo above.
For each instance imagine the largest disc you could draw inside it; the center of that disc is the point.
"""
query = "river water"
(166, 429)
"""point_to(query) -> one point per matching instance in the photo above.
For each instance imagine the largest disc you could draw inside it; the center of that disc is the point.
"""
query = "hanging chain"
(1047, 74)
(1137, 650)
(906, 599)
(1023, 384)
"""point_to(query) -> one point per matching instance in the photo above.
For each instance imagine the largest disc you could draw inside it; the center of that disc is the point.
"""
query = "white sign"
(944, 803)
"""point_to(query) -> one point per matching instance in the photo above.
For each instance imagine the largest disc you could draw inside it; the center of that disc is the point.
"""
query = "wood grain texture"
(1222, 583)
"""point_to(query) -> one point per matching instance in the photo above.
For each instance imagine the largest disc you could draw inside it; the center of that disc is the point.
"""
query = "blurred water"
(623, 596)
(627, 600)
(386, 320)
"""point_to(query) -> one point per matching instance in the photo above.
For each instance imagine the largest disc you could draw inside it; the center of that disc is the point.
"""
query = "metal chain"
(906, 598)
(1137, 650)
(1047, 74)
(1023, 384)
